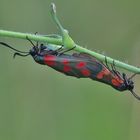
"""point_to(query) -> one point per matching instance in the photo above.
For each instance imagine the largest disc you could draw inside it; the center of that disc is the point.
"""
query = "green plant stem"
(78, 48)
(39, 38)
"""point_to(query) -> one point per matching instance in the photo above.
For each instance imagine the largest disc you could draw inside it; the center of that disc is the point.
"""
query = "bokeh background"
(38, 103)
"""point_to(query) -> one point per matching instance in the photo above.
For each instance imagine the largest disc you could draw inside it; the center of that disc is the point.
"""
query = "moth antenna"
(6, 45)
(135, 95)
(19, 54)
(132, 76)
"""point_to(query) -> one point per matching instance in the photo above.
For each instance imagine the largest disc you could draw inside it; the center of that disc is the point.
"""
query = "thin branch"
(40, 38)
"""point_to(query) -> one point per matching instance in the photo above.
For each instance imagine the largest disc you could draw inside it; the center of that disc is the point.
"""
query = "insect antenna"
(135, 95)
(19, 54)
(132, 76)
(6, 45)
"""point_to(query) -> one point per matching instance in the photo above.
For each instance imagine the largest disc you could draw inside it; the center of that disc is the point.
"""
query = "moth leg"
(115, 70)
(37, 41)
(30, 41)
(56, 52)
(107, 63)
(67, 50)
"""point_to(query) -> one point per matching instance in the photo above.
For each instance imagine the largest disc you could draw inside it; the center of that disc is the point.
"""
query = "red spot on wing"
(49, 60)
(100, 75)
(67, 68)
(85, 72)
(65, 61)
(81, 64)
(117, 81)
(104, 72)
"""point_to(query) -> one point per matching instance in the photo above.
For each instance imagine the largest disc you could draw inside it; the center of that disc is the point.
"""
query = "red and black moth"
(80, 65)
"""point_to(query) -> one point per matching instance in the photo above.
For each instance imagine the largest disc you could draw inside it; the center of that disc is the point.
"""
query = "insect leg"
(60, 49)
(125, 79)
(55, 52)
(67, 50)
(114, 69)
(113, 66)
(30, 41)
(37, 41)
(107, 63)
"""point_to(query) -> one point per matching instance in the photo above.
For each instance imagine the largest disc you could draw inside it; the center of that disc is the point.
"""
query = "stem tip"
(53, 8)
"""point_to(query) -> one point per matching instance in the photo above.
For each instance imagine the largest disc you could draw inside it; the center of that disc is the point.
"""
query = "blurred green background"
(38, 103)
